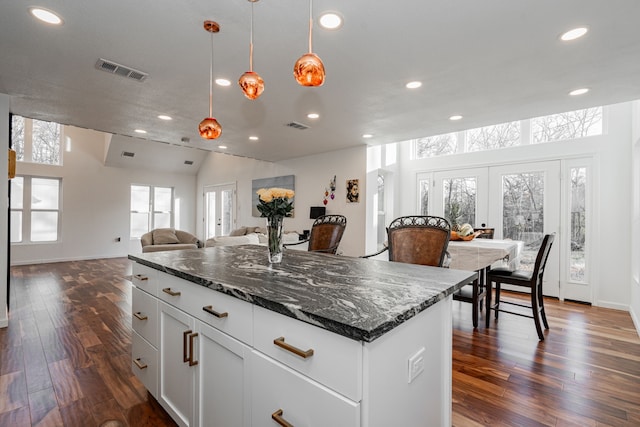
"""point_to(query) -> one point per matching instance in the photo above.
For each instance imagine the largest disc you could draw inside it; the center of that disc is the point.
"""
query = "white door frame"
(217, 191)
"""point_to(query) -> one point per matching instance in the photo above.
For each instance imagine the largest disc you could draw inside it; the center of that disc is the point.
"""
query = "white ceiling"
(491, 61)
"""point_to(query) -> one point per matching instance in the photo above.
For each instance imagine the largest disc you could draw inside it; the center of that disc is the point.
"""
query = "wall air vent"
(120, 70)
(127, 154)
(188, 162)
(297, 125)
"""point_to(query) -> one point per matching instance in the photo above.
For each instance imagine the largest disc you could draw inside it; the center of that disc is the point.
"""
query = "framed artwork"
(286, 181)
(353, 191)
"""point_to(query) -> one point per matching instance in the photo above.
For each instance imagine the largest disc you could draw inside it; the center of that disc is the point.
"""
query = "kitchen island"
(221, 337)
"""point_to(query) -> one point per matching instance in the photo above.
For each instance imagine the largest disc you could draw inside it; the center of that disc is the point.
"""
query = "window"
(459, 200)
(570, 125)
(151, 207)
(438, 145)
(36, 141)
(496, 136)
(556, 127)
(578, 221)
(35, 209)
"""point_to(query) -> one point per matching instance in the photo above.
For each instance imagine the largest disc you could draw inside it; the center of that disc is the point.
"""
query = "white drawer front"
(336, 361)
(144, 317)
(228, 314)
(302, 402)
(145, 278)
(144, 363)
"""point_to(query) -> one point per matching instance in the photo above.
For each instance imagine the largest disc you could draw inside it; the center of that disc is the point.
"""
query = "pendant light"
(251, 83)
(209, 128)
(309, 70)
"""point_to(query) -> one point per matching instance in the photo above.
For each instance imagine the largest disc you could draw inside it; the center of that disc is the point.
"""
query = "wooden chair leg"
(497, 303)
(541, 302)
(474, 304)
(487, 313)
(536, 313)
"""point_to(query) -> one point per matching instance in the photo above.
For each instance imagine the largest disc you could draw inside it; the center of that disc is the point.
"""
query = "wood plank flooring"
(65, 359)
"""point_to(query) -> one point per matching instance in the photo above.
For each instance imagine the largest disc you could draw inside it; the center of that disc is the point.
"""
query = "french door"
(219, 209)
(520, 201)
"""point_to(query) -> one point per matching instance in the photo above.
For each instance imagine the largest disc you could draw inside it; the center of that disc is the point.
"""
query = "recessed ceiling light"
(164, 117)
(254, 138)
(455, 117)
(222, 147)
(330, 21)
(367, 136)
(574, 34)
(45, 15)
(313, 115)
(580, 91)
(413, 85)
(140, 131)
(223, 82)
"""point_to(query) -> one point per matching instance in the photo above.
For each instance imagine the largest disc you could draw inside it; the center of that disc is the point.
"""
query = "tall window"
(36, 141)
(151, 207)
(578, 223)
(35, 209)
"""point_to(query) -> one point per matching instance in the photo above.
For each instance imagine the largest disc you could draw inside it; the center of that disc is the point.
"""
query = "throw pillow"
(164, 236)
(238, 232)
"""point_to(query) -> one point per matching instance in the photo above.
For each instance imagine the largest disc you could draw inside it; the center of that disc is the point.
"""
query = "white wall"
(611, 275)
(4, 194)
(312, 176)
(635, 225)
(95, 203)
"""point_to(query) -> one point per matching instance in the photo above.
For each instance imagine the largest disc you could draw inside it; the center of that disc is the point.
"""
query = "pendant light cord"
(310, 25)
(211, 80)
(251, 42)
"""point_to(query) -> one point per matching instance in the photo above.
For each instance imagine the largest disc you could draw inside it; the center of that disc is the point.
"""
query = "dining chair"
(417, 239)
(529, 279)
(326, 234)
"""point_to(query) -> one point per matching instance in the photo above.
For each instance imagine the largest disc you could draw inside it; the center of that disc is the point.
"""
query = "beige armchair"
(168, 239)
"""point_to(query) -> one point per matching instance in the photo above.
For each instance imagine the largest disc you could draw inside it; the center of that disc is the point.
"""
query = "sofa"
(249, 236)
(168, 239)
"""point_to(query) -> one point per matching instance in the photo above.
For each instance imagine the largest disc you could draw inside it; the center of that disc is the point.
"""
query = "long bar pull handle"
(185, 334)
(191, 361)
(302, 353)
(277, 417)
(170, 292)
(140, 316)
(141, 277)
(139, 363)
(209, 309)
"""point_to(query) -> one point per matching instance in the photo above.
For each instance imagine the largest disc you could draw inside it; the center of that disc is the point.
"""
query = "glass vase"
(274, 238)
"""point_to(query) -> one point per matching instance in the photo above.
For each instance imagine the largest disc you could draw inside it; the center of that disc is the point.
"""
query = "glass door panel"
(219, 205)
(461, 196)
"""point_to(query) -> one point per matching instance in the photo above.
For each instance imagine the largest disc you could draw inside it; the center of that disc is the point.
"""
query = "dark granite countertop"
(358, 298)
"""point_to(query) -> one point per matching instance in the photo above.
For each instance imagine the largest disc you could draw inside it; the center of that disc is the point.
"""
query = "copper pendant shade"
(209, 128)
(250, 82)
(309, 69)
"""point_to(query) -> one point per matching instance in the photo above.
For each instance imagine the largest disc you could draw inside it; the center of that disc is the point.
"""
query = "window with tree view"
(36, 141)
(460, 200)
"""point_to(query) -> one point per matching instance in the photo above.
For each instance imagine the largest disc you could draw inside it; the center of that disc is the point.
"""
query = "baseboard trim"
(613, 305)
(636, 321)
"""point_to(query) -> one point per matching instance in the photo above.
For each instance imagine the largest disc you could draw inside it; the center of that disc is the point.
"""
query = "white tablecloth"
(477, 254)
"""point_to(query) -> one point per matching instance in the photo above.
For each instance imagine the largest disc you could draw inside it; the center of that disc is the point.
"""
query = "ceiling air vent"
(297, 125)
(127, 154)
(188, 162)
(121, 70)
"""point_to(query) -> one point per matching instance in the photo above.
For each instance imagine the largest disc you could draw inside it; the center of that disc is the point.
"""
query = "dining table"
(480, 255)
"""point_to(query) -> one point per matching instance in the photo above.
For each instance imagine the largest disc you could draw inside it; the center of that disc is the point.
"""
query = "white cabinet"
(223, 362)
(222, 380)
(281, 393)
(177, 373)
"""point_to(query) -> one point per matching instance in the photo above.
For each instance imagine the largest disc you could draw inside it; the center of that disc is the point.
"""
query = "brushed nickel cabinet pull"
(170, 292)
(141, 277)
(185, 334)
(140, 316)
(209, 309)
(191, 361)
(277, 417)
(139, 364)
(302, 353)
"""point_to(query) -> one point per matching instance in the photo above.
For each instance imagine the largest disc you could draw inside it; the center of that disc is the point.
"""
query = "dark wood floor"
(65, 359)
